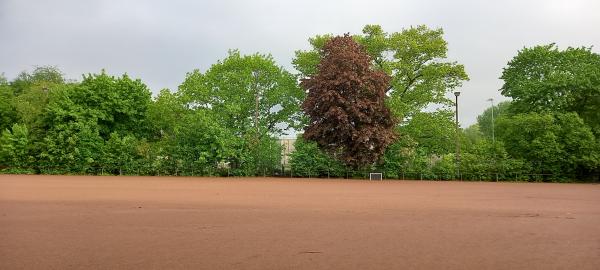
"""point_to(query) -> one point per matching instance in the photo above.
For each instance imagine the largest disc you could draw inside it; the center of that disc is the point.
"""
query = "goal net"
(375, 176)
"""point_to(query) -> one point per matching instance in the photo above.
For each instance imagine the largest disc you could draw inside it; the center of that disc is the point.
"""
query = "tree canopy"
(232, 86)
(414, 58)
(484, 120)
(546, 79)
(345, 104)
(554, 143)
(373, 101)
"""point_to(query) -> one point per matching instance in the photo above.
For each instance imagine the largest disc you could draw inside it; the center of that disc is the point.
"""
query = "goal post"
(375, 176)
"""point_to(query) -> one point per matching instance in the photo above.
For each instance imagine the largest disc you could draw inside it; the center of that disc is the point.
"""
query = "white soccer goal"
(376, 176)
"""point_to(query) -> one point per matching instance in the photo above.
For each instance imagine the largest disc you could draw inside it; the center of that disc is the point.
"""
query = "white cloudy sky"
(159, 41)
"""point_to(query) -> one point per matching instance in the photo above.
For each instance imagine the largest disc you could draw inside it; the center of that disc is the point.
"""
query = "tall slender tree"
(346, 107)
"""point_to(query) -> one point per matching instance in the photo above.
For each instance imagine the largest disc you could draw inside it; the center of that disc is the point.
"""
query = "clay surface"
(97, 222)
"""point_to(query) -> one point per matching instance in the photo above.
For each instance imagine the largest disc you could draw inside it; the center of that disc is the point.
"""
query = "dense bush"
(308, 160)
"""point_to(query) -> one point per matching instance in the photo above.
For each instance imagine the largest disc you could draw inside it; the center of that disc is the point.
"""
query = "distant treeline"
(226, 120)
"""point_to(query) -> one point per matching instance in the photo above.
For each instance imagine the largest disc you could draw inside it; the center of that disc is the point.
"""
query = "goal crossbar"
(376, 176)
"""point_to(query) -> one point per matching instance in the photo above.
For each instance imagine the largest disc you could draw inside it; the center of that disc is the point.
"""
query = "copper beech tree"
(346, 107)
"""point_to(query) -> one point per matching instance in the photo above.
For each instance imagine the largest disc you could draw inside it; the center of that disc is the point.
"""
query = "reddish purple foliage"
(346, 105)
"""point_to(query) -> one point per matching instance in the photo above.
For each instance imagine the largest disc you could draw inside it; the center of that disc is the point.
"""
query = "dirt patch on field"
(77, 222)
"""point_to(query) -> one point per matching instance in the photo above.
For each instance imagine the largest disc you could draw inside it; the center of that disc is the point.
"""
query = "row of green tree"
(549, 131)
(226, 120)
(223, 121)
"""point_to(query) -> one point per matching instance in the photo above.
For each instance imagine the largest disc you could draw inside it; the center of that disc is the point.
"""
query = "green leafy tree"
(232, 90)
(424, 139)
(434, 132)
(473, 134)
(15, 149)
(31, 104)
(254, 158)
(307, 62)
(415, 58)
(200, 143)
(559, 144)
(399, 157)
(42, 76)
(165, 113)
(73, 147)
(232, 87)
(483, 160)
(30, 98)
(308, 160)
(117, 104)
(8, 113)
(155, 157)
(546, 79)
(81, 117)
(120, 155)
(484, 120)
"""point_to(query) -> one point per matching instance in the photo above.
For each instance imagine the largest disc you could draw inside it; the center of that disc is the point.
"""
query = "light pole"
(456, 94)
(256, 100)
(493, 137)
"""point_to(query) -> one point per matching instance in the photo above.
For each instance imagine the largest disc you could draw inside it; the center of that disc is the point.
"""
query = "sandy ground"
(75, 222)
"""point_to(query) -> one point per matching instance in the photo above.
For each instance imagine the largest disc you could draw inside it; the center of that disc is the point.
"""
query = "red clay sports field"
(96, 222)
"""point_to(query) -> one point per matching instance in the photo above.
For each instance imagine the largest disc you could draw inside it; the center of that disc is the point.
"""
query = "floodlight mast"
(493, 136)
(256, 98)
(456, 94)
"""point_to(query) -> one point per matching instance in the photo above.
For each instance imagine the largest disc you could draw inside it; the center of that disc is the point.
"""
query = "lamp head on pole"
(457, 93)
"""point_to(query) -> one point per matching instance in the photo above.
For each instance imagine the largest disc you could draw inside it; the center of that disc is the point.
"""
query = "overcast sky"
(159, 41)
